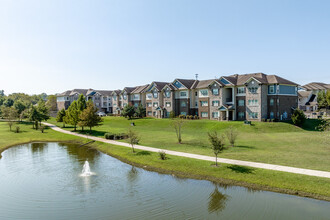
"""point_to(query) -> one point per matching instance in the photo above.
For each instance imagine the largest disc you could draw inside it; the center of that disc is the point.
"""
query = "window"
(272, 89)
(97, 104)
(149, 96)
(196, 94)
(154, 113)
(241, 90)
(149, 104)
(278, 101)
(204, 103)
(149, 113)
(205, 114)
(125, 104)
(168, 104)
(155, 104)
(241, 115)
(271, 115)
(183, 113)
(253, 115)
(215, 91)
(196, 104)
(183, 104)
(136, 97)
(271, 102)
(204, 92)
(241, 102)
(215, 114)
(155, 94)
(124, 96)
(136, 105)
(215, 103)
(183, 94)
(253, 89)
(253, 102)
(167, 94)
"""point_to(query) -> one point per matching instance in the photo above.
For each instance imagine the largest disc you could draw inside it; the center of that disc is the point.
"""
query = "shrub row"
(191, 117)
(269, 120)
(112, 136)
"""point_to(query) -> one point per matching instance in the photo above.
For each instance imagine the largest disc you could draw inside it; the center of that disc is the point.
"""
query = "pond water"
(43, 181)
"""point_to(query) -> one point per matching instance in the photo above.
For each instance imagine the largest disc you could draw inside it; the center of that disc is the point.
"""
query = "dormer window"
(167, 93)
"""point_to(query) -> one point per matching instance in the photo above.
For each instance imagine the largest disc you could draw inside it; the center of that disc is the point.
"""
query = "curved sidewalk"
(202, 157)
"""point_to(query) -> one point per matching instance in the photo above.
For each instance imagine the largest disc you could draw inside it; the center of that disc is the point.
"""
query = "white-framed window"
(241, 102)
(149, 96)
(271, 102)
(155, 104)
(155, 93)
(241, 90)
(253, 115)
(183, 94)
(216, 103)
(149, 104)
(204, 103)
(136, 96)
(196, 104)
(272, 89)
(183, 104)
(124, 96)
(167, 94)
(149, 113)
(205, 114)
(253, 102)
(241, 115)
(215, 91)
(203, 92)
(215, 114)
(253, 89)
(168, 104)
(196, 93)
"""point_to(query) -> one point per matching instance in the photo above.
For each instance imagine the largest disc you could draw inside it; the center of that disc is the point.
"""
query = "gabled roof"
(241, 79)
(206, 83)
(116, 92)
(140, 89)
(128, 89)
(316, 86)
(170, 86)
(304, 94)
(66, 93)
(158, 85)
(188, 83)
(79, 91)
(105, 92)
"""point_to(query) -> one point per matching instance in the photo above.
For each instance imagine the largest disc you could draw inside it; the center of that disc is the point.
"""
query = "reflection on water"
(42, 181)
(217, 200)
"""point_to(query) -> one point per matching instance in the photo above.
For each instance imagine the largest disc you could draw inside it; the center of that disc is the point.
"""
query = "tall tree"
(322, 100)
(52, 103)
(218, 144)
(89, 118)
(19, 106)
(43, 111)
(72, 115)
(60, 116)
(81, 102)
(128, 111)
(10, 114)
(34, 116)
(140, 111)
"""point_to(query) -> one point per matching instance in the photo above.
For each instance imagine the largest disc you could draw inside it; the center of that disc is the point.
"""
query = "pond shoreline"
(180, 174)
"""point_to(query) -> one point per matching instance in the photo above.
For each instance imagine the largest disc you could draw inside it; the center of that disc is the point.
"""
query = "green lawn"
(184, 167)
(276, 143)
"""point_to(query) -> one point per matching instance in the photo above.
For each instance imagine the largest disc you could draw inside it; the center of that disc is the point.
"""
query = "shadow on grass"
(143, 153)
(241, 169)
(247, 147)
(196, 143)
(92, 133)
(309, 124)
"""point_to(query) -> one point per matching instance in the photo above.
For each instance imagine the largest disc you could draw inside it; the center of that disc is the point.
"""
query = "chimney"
(196, 75)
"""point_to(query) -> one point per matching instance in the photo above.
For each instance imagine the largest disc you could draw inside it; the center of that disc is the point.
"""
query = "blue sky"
(52, 46)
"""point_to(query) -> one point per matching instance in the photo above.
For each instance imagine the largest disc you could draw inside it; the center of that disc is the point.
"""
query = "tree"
(52, 103)
(218, 144)
(322, 99)
(140, 111)
(128, 111)
(328, 97)
(34, 116)
(19, 106)
(10, 114)
(298, 117)
(89, 118)
(72, 115)
(231, 134)
(81, 102)
(43, 111)
(177, 124)
(133, 138)
(172, 115)
(60, 116)
(2, 93)
(8, 102)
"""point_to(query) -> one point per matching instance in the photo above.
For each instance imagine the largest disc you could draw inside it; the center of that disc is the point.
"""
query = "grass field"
(185, 167)
(275, 143)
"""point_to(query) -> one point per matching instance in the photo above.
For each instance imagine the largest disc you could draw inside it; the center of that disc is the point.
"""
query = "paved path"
(202, 157)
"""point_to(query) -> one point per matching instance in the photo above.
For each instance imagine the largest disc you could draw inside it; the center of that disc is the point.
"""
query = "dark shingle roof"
(129, 89)
(66, 93)
(105, 92)
(188, 83)
(140, 89)
(261, 77)
(316, 86)
(205, 83)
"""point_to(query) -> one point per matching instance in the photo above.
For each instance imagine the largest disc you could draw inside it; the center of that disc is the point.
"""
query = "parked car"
(101, 114)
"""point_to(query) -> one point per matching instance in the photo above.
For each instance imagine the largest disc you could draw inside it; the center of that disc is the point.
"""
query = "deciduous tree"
(128, 111)
(89, 118)
(72, 115)
(133, 138)
(178, 124)
(218, 144)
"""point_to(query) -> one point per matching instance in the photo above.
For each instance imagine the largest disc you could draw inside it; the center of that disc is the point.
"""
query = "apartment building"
(307, 95)
(254, 96)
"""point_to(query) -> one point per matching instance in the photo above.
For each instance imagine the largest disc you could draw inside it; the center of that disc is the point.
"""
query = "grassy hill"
(275, 143)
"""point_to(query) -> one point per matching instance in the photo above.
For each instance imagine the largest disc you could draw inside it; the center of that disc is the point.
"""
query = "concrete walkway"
(202, 157)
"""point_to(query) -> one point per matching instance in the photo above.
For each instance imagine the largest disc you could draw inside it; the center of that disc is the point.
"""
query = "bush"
(195, 117)
(162, 155)
(272, 120)
(190, 117)
(263, 119)
(172, 114)
(182, 116)
(109, 136)
(298, 117)
(42, 129)
(18, 129)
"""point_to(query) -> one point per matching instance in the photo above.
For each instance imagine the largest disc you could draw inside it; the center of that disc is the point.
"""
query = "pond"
(42, 181)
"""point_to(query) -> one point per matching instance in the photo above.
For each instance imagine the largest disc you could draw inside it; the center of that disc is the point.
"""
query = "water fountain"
(86, 170)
